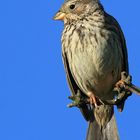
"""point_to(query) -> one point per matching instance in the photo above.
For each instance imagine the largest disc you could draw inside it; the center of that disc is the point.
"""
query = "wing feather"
(85, 109)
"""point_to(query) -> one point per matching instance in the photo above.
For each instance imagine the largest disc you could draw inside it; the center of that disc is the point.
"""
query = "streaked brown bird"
(94, 54)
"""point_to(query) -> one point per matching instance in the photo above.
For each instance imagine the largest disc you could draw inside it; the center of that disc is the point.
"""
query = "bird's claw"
(78, 100)
(120, 91)
(92, 100)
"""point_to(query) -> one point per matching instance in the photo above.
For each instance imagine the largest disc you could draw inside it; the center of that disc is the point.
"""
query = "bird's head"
(76, 9)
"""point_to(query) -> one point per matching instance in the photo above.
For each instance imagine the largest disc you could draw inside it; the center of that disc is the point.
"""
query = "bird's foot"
(121, 83)
(125, 80)
(93, 100)
(78, 100)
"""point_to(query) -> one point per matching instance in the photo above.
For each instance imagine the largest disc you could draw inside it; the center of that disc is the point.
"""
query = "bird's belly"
(92, 71)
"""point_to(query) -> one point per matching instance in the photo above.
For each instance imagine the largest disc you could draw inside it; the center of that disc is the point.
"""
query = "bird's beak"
(59, 16)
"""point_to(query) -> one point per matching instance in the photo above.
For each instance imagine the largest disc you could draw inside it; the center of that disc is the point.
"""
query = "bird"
(94, 53)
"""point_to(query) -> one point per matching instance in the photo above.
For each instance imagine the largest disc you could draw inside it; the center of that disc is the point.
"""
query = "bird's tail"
(108, 132)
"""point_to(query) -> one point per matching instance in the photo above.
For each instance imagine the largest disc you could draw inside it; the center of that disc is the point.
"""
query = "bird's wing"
(125, 66)
(85, 108)
(118, 30)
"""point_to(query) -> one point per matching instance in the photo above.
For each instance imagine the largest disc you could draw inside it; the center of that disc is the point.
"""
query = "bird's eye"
(72, 6)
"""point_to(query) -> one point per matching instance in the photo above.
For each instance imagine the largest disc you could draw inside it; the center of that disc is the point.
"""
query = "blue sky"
(33, 88)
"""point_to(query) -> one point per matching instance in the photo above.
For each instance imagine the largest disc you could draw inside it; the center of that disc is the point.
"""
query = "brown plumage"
(94, 54)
